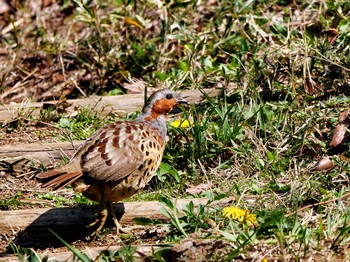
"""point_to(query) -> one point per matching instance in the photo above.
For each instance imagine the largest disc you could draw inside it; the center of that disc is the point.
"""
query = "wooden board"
(29, 228)
(70, 217)
(93, 253)
(17, 157)
(169, 252)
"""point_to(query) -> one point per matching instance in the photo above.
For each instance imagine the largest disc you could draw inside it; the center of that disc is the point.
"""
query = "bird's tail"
(57, 179)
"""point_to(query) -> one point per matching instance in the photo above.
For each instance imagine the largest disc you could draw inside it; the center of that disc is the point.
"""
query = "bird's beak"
(181, 100)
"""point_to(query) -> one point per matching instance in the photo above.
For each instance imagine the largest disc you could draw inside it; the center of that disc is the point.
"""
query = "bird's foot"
(100, 221)
(119, 228)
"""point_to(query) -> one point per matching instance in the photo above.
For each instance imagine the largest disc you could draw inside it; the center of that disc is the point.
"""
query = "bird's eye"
(169, 96)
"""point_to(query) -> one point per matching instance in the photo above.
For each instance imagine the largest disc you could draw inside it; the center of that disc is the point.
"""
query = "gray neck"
(158, 123)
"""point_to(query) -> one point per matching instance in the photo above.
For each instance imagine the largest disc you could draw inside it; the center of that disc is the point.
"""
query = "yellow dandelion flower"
(233, 212)
(250, 219)
(181, 123)
(241, 215)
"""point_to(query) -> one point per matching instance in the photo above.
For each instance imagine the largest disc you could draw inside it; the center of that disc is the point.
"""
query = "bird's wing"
(116, 152)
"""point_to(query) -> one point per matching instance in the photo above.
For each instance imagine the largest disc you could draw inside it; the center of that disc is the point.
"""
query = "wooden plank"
(17, 157)
(29, 228)
(71, 217)
(169, 252)
(121, 104)
(140, 252)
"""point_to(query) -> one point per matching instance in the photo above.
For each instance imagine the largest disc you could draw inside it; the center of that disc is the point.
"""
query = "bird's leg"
(115, 220)
(101, 220)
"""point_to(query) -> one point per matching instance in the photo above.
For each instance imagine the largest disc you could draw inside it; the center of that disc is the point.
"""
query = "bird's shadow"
(69, 223)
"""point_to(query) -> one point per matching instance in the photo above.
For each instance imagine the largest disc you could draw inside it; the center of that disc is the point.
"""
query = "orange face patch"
(162, 107)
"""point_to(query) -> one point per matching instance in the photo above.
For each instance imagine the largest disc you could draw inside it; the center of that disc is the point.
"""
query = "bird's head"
(162, 102)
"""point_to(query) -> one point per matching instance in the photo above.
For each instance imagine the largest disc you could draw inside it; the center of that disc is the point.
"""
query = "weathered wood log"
(40, 152)
(169, 252)
(93, 253)
(30, 228)
(121, 104)
(15, 158)
(140, 252)
(71, 217)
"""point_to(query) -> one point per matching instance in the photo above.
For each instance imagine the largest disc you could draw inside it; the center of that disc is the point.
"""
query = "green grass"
(285, 76)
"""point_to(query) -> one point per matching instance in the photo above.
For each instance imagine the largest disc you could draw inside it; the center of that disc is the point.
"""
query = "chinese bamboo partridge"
(120, 159)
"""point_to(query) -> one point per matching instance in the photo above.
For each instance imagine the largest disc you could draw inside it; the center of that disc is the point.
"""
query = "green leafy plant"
(6, 204)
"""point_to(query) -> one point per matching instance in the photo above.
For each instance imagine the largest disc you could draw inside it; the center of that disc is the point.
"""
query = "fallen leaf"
(57, 78)
(46, 3)
(4, 7)
(131, 21)
(340, 129)
(343, 117)
(323, 164)
(331, 34)
(60, 106)
(338, 135)
(311, 86)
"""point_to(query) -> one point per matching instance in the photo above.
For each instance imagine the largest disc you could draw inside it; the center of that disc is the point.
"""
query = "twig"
(78, 87)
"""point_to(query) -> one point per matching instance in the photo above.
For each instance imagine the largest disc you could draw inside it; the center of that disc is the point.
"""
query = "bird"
(118, 160)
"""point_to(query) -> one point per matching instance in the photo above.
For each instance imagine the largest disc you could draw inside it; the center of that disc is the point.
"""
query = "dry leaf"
(323, 164)
(311, 86)
(46, 3)
(4, 7)
(331, 34)
(343, 117)
(60, 106)
(131, 21)
(340, 129)
(338, 135)
(57, 78)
